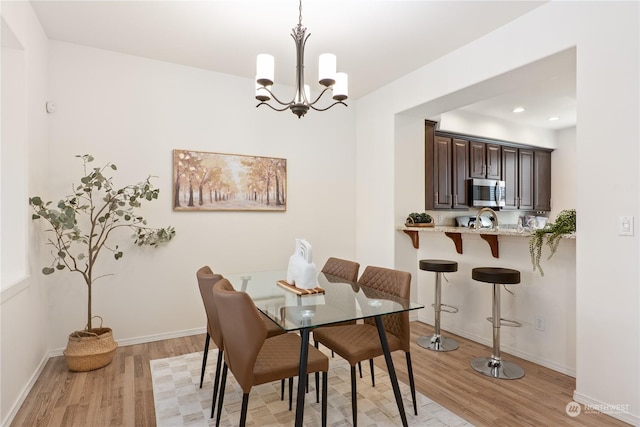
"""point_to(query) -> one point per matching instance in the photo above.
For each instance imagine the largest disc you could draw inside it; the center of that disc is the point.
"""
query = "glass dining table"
(334, 300)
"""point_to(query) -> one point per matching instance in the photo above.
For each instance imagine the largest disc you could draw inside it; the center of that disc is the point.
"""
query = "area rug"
(179, 400)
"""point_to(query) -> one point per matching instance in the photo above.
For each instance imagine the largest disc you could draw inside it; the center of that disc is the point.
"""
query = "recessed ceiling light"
(553, 119)
(518, 110)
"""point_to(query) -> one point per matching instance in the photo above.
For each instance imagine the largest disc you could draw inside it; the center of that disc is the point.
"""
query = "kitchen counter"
(455, 234)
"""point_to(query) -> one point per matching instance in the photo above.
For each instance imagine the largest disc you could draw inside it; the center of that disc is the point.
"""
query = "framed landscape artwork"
(228, 182)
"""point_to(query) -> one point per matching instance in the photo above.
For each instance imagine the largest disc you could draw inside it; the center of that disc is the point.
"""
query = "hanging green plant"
(565, 223)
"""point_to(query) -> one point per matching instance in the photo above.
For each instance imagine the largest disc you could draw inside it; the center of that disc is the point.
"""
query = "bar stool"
(494, 366)
(437, 342)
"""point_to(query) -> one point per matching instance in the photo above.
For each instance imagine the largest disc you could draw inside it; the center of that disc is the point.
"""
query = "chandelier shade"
(301, 102)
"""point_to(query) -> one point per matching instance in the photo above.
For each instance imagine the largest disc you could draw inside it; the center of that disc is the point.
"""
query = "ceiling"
(375, 41)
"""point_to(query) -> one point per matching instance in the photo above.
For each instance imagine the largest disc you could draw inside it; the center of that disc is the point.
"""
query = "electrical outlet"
(539, 322)
(439, 219)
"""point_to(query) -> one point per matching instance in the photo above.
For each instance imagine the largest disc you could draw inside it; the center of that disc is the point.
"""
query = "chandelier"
(327, 77)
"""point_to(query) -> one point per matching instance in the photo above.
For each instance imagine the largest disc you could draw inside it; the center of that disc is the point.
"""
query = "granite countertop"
(503, 230)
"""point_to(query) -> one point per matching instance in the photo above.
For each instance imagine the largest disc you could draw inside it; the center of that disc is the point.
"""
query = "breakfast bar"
(545, 305)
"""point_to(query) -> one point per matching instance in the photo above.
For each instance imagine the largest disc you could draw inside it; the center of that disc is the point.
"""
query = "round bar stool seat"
(438, 265)
(437, 342)
(494, 366)
(503, 276)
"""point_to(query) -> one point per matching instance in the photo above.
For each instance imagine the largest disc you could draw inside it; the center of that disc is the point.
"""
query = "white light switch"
(626, 226)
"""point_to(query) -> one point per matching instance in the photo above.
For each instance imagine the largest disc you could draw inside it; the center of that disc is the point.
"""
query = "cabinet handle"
(449, 199)
(455, 200)
(435, 198)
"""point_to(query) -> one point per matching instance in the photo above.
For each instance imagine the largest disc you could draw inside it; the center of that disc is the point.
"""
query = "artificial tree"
(83, 223)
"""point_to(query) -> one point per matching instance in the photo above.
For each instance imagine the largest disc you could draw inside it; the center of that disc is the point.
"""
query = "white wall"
(607, 310)
(564, 182)
(23, 304)
(132, 112)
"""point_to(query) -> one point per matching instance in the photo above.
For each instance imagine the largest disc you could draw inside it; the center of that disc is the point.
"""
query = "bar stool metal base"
(437, 343)
(497, 368)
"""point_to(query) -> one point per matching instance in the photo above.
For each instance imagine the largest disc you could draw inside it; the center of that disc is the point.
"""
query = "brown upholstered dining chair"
(361, 341)
(206, 280)
(252, 358)
(342, 268)
(348, 271)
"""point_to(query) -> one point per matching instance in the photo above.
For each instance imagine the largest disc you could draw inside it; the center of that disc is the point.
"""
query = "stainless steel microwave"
(487, 192)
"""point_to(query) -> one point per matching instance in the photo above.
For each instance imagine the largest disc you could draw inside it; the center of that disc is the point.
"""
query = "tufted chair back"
(206, 280)
(392, 282)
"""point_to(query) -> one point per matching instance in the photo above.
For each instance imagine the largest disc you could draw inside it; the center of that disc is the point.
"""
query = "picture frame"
(209, 181)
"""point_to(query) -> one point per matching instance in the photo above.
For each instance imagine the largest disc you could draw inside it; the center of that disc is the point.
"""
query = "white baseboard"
(617, 411)
(25, 392)
(145, 339)
(521, 354)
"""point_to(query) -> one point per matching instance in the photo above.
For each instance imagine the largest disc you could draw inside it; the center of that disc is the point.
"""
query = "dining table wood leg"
(391, 369)
(302, 375)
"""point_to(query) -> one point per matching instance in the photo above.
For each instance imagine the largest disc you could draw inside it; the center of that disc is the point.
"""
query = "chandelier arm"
(319, 96)
(272, 107)
(275, 98)
(325, 109)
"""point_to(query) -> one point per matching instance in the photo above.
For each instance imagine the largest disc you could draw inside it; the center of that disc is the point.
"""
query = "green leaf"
(114, 167)
(62, 254)
(48, 270)
(35, 201)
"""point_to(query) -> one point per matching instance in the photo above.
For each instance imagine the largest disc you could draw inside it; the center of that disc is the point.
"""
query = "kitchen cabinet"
(484, 160)
(460, 173)
(541, 180)
(446, 170)
(517, 174)
(526, 183)
(452, 158)
(510, 176)
(442, 197)
(527, 176)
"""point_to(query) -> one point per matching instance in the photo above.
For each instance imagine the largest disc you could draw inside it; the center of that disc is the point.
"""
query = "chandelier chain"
(300, 14)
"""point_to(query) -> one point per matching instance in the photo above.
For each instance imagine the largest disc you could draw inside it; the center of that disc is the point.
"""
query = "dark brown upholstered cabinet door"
(542, 183)
(460, 150)
(510, 176)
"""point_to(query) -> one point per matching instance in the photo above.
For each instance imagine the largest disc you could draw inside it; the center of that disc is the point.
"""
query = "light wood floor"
(121, 393)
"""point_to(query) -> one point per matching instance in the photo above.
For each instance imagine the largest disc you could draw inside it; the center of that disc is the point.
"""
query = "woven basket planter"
(90, 349)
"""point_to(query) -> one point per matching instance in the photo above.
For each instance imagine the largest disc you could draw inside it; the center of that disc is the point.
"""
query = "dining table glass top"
(339, 300)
